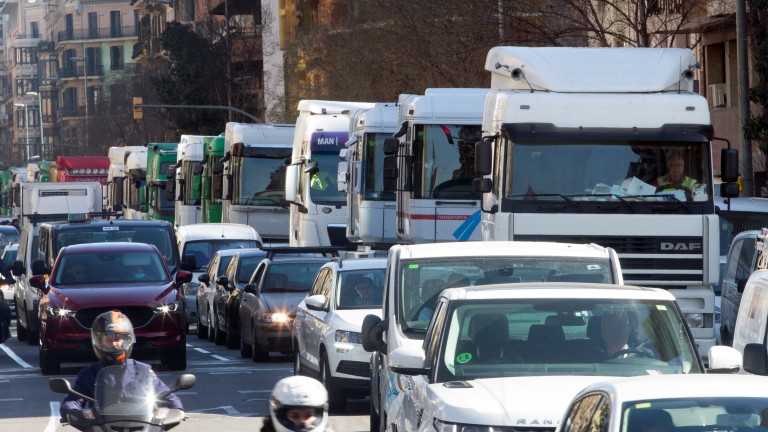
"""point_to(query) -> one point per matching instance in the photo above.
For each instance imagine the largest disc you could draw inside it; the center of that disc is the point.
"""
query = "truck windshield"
(259, 181)
(421, 281)
(323, 182)
(659, 172)
(546, 336)
(444, 161)
(373, 167)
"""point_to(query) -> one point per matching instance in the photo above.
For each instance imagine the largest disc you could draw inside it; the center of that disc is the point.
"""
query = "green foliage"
(756, 127)
(194, 78)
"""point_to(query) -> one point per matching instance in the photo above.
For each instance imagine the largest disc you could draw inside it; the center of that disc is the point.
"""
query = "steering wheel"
(641, 353)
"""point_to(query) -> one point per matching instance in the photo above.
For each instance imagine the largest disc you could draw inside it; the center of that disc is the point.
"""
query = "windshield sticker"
(111, 228)
(463, 358)
(661, 307)
(413, 266)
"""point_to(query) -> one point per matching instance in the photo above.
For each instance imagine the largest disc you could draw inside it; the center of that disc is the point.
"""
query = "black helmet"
(107, 329)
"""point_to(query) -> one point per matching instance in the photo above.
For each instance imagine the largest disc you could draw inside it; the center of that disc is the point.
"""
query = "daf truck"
(578, 147)
(117, 184)
(318, 211)
(188, 209)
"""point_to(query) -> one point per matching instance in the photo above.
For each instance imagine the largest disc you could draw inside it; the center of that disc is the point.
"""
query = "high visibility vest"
(686, 183)
(317, 183)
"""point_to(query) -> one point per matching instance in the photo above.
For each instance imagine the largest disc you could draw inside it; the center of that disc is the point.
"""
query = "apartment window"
(93, 25)
(23, 86)
(26, 55)
(69, 27)
(116, 58)
(35, 29)
(93, 61)
(115, 24)
(70, 99)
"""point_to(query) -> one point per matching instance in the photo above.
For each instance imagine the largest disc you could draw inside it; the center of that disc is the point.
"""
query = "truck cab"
(189, 155)
(161, 157)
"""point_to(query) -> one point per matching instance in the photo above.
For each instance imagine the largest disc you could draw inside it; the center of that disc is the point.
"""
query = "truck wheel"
(49, 365)
(21, 331)
(337, 399)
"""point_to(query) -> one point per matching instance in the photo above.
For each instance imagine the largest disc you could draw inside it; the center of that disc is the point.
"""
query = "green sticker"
(413, 266)
(463, 358)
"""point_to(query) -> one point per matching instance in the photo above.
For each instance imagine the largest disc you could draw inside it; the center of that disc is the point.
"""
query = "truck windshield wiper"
(564, 197)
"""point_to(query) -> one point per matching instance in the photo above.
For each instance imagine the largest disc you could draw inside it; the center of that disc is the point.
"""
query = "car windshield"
(360, 289)
(420, 281)
(544, 336)
(203, 250)
(9, 256)
(247, 266)
(696, 414)
(291, 277)
(110, 267)
(158, 236)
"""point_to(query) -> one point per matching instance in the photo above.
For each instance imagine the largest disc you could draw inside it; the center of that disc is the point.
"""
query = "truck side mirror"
(189, 262)
(170, 189)
(310, 168)
(390, 173)
(482, 185)
(729, 165)
(484, 157)
(390, 146)
(17, 268)
(291, 182)
(342, 177)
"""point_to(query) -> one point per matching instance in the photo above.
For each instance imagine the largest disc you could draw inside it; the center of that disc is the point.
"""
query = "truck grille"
(666, 262)
(139, 315)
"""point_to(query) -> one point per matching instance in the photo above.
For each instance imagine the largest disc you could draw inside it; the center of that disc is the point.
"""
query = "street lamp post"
(40, 107)
(26, 126)
(85, 91)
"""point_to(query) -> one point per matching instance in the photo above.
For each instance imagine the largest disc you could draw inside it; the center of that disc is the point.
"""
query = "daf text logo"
(681, 246)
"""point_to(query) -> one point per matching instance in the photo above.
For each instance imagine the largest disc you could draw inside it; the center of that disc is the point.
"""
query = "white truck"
(370, 206)
(432, 165)
(54, 201)
(135, 194)
(577, 147)
(117, 185)
(318, 211)
(189, 154)
(250, 178)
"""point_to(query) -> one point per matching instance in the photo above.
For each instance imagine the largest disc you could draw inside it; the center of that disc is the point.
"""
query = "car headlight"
(170, 307)
(344, 336)
(277, 317)
(53, 312)
(442, 426)
(695, 320)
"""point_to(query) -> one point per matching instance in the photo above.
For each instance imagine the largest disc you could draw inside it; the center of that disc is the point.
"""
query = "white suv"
(326, 332)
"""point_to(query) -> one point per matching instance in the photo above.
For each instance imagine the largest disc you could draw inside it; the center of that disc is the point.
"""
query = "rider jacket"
(86, 381)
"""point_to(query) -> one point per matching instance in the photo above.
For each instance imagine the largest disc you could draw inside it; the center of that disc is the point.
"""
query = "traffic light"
(138, 112)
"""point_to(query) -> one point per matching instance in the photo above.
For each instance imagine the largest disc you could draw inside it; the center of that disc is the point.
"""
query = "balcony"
(80, 71)
(71, 111)
(102, 33)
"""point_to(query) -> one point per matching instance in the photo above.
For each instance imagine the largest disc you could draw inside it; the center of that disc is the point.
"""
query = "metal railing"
(100, 33)
(79, 71)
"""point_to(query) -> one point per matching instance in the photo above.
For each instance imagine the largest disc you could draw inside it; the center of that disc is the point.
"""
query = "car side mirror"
(183, 276)
(250, 289)
(222, 280)
(39, 267)
(408, 360)
(316, 303)
(37, 281)
(204, 278)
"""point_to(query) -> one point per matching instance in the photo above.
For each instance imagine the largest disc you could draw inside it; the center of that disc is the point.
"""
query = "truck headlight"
(344, 336)
(170, 307)
(277, 317)
(53, 312)
(442, 426)
(699, 320)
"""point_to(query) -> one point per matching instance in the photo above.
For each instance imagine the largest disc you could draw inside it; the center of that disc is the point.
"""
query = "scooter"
(124, 400)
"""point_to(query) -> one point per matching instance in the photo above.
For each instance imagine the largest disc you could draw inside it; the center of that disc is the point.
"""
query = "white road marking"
(221, 358)
(15, 358)
(254, 391)
(202, 351)
(228, 409)
(11, 399)
(53, 420)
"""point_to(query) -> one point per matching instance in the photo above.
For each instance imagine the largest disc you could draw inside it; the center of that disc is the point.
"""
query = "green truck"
(161, 157)
(213, 151)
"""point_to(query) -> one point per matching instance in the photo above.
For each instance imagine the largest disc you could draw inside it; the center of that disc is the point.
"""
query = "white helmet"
(298, 392)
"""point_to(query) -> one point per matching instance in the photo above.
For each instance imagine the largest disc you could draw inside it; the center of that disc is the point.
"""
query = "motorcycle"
(124, 400)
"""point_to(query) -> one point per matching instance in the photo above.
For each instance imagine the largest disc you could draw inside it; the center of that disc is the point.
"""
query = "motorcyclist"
(112, 338)
(297, 404)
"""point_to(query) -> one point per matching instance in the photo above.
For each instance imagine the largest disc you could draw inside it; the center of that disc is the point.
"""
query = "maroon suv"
(88, 279)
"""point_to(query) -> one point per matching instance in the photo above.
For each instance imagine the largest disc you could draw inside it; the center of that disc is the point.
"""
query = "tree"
(756, 127)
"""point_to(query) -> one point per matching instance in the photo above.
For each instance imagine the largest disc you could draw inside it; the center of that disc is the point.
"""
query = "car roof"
(500, 248)
(12, 246)
(249, 252)
(63, 225)
(358, 264)
(230, 252)
(108, 246)
(225, 231)
(294, 260)
(683, 386)
(557, 290)
(8, 228)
